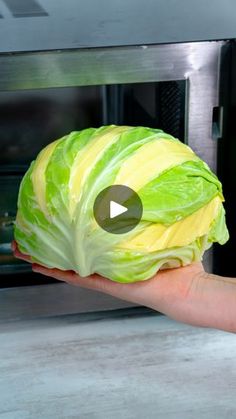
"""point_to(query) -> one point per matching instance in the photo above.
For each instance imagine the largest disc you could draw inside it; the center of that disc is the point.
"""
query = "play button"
(117, 209)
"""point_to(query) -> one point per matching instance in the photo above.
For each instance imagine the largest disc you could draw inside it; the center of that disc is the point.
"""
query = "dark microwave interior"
(30, 119)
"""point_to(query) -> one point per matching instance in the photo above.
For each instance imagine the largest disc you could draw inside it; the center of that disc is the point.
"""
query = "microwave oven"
(65, 67)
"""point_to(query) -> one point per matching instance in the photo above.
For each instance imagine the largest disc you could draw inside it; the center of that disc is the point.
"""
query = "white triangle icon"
(116, 209)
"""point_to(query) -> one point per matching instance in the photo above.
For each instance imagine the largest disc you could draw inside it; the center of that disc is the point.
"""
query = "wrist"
(211, 302)
(174, 290)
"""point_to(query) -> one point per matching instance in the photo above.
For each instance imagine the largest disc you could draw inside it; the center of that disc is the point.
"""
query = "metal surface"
(197, 63)
(73, 24)
(36, 301)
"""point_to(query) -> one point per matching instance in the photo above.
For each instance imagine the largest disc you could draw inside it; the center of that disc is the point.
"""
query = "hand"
(165, 292)
(186, 294)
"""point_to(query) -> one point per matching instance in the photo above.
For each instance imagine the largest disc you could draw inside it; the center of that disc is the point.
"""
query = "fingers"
(94, 282)
(13, 245)
(71, 277)
(64, 276)
(18, 254)
(156, 292)
(124, 291)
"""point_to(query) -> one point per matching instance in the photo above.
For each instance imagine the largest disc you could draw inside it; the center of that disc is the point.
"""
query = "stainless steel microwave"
(56, 77)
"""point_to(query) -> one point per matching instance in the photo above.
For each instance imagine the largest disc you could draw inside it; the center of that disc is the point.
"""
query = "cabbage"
(182, 200)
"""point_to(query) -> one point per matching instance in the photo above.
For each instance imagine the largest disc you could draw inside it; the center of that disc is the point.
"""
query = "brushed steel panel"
(53, 299)
(197, 63)
(73, 24)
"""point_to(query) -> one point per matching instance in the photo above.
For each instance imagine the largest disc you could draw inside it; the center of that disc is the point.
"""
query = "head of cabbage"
(182, 200)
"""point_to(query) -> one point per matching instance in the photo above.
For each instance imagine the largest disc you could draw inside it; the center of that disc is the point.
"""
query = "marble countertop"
(115, 366)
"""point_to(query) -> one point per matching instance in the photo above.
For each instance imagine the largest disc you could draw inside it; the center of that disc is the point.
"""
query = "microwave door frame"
(197, 63)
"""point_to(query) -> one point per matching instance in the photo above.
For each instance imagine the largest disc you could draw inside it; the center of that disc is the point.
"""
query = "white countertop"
(139, 366)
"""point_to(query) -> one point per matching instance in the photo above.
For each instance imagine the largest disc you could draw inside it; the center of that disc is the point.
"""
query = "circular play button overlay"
(117, 209)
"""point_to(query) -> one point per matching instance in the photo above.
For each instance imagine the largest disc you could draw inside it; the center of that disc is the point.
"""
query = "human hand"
(168, 291)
